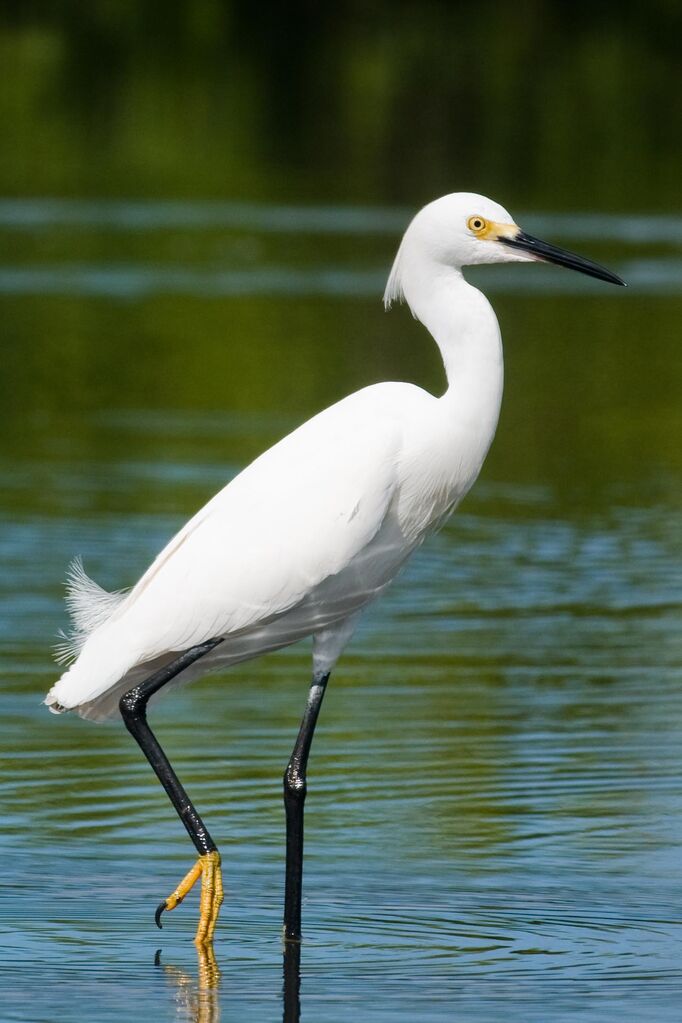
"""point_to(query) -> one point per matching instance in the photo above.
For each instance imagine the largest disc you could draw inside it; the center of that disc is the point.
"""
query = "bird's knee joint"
(294, 784)
(131, 704)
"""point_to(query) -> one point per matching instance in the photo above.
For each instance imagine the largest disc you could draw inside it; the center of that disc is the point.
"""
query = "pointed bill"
(544, 252)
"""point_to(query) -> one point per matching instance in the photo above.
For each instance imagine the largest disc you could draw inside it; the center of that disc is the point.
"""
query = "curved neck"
(465, 328)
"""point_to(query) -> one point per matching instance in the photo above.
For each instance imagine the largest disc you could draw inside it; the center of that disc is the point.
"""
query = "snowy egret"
(355, 490)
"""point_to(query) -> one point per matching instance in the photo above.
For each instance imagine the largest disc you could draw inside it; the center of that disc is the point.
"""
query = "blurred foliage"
(540, 103)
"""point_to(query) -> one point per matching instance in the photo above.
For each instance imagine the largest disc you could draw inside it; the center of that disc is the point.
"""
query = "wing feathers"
(298, 515)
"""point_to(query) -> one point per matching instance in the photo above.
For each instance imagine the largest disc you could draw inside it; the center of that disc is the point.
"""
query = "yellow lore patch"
(490, 230)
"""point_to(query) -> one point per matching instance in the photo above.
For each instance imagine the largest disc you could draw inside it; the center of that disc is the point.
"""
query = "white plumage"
(316, 527)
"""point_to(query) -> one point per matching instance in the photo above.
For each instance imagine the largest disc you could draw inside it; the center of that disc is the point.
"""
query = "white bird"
(302, 540)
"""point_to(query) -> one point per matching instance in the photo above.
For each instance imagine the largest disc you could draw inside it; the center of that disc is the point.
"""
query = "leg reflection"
(197, 1000)
(292, 982)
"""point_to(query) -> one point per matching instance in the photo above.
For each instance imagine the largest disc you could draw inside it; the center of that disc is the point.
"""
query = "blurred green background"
(559, 106)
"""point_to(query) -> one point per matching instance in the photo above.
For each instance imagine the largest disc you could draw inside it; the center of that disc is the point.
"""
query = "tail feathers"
(104, 705)
(89, 606)
(103, 661)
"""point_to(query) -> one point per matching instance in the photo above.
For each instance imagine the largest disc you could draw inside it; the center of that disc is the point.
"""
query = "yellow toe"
(186, 885)
(211, 898)
(208, 869)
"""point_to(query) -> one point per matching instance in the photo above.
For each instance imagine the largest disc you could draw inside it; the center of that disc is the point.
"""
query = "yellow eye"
(476, 224)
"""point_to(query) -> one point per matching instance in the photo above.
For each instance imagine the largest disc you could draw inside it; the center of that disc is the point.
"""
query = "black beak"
(552, 254)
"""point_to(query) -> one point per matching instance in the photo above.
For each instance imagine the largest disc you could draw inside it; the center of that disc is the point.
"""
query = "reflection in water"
(197, 1001)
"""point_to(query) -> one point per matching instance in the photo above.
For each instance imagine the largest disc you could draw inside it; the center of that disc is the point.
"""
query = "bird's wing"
(297, 515)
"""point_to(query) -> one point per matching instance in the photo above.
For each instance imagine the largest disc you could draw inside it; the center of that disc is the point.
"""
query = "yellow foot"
(208, 869)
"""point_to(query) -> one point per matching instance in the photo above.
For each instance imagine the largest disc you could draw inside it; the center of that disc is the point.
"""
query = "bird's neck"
(465, 328)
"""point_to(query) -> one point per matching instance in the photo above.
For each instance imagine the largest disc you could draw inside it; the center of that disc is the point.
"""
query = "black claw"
(157, 957)
(157, 915)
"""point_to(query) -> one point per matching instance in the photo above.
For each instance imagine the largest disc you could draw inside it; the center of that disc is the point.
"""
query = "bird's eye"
(476, 224)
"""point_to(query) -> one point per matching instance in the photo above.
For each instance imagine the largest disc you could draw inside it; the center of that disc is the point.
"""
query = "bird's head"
(465, 229)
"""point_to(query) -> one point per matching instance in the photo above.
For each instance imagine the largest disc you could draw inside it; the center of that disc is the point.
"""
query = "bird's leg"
(294, 798)
(291, 989)
(133, 707)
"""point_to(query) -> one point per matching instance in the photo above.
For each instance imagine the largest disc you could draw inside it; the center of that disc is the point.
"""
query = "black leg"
(294, 799)
(291, 993)
(133, 707)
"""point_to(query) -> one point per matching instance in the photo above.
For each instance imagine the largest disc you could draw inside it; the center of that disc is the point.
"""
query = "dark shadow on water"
(198, 1000)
